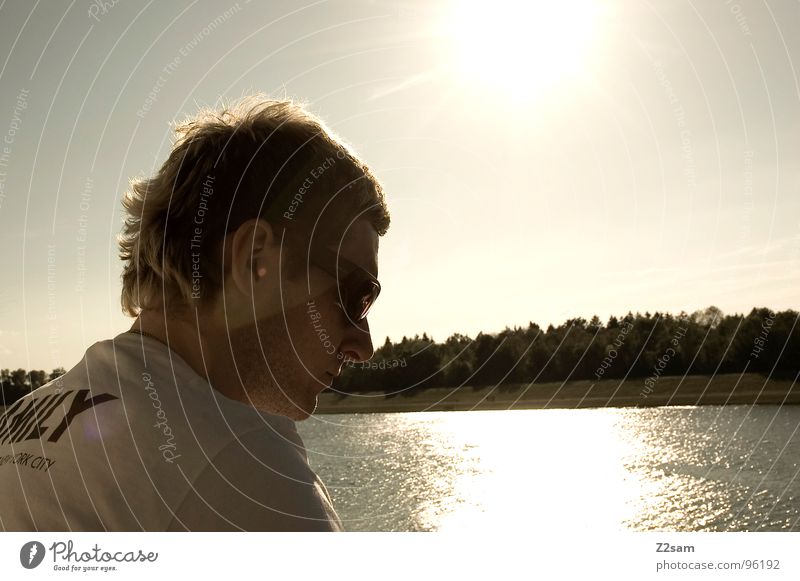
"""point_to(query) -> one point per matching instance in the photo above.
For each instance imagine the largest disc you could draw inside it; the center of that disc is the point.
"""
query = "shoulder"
(260, 481)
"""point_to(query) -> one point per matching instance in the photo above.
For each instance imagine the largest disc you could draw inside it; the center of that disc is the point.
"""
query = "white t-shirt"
(133, 439)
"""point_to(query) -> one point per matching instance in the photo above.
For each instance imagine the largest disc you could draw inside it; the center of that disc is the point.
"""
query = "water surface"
(709, 468)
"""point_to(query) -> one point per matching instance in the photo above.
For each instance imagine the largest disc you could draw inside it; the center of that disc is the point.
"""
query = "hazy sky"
(540, 163)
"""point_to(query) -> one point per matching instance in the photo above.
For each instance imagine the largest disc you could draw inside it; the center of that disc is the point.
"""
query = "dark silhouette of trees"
(37, 378)
(17, 383)
(636, 345)
(56, 373)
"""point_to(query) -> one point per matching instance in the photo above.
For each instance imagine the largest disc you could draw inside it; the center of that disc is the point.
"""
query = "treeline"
(644, 346)
(15, 384)
(634, 346)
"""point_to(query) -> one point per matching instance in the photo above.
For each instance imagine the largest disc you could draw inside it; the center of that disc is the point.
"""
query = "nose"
(357, 342)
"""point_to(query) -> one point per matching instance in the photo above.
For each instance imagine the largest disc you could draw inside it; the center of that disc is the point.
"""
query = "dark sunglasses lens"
(361, 299)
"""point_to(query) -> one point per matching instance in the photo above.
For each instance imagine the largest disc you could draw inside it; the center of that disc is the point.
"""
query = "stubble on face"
(270, 370)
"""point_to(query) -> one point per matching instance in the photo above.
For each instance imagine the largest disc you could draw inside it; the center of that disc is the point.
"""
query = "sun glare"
(522, 48)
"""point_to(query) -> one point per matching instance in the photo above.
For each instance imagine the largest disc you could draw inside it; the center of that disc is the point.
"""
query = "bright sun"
(524, 48)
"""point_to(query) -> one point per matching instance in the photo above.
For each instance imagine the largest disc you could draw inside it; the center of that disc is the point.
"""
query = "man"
(250, 263)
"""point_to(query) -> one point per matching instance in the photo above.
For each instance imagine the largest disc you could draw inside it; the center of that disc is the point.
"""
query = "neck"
(194, 341)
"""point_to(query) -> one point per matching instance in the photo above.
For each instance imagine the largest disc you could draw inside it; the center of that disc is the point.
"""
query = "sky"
(541, 161)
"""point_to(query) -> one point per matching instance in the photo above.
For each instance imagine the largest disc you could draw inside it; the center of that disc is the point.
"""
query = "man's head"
(253, 231)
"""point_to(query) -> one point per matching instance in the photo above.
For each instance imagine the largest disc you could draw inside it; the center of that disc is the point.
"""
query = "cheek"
(315, 329)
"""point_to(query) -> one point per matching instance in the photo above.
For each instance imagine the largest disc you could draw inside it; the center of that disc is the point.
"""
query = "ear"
(252, 248)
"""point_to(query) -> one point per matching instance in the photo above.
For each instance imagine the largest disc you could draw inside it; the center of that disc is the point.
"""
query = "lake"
(691, 468)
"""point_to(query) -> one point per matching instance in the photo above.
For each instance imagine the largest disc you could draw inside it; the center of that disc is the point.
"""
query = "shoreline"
(729, 389)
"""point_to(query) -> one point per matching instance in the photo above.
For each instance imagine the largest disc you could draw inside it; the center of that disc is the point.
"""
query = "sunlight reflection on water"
(686, 468)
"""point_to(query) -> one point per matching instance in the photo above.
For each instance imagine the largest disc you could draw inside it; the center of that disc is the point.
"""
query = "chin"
(298, 406)
(298, 411)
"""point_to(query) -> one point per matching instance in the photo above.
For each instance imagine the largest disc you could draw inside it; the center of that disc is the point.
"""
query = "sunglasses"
(358, 289)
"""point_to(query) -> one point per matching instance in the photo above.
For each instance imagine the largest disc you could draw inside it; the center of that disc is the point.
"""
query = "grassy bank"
(691, 390)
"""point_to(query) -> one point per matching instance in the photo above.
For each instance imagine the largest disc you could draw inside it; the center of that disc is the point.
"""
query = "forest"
(646, 346)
